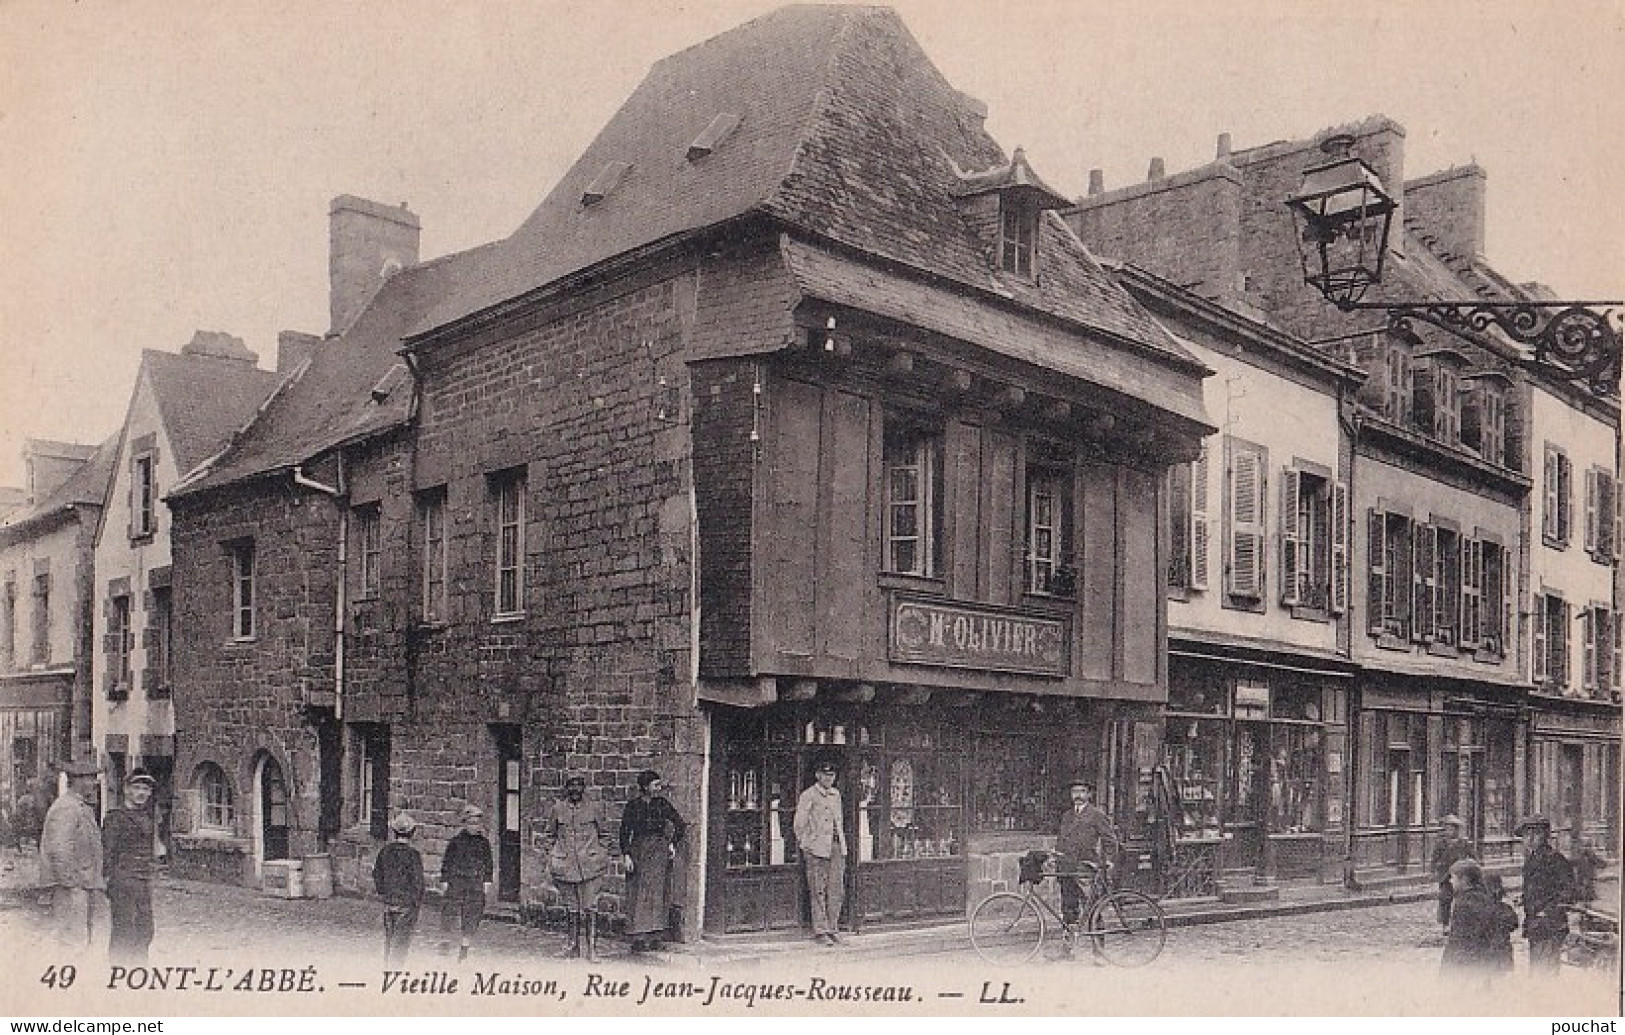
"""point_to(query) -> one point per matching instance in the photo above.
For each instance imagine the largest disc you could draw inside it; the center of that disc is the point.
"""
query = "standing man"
(821, 835)
(1548, 885)
(71, 857)
(128, 836)
(1084, 829)
(465, 880)
(1451, 849)
(576, 833)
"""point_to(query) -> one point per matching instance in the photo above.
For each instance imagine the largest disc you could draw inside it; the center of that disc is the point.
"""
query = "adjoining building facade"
(736, 457)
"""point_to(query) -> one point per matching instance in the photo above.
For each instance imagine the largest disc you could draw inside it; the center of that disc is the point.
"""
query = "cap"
(141, 777)
(824, 767)
(575, 778)
(1079, 781)
(473, 812)
(1468, 868)
(403, 823)
(1533, 823)
(1452, 820)
(81, 768)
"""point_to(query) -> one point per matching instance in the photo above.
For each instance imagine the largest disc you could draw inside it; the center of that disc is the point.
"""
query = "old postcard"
(877, 511)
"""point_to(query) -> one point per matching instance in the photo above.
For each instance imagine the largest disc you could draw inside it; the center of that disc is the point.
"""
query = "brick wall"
(724, 419)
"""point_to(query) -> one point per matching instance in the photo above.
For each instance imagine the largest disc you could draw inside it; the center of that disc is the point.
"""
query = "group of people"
(83, 861)
(1477, 921)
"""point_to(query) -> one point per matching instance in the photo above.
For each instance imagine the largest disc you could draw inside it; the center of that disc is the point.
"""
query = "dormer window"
(1018, 234)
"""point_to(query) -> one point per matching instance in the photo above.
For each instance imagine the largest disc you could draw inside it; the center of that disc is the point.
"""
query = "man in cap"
(1548, 886)
(1451, 849)
(465, 880)
(1084, 836)
(71, 856)
(397, 876)
(127, 862)
(821, 834)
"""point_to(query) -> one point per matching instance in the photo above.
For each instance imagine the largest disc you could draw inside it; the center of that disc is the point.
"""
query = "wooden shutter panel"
(1588, 651)
(1591, 511)
(1377, 580)
(1548, 514)
(1619, 524)
(1422, 581)
(1537, 649)
(1292, 558)
(1470, 593)
(1340, 548)
(1199, 521)
(1605, 652)
(1246, 562)
(1607, 530)
(1565, 498)
(1618, 651)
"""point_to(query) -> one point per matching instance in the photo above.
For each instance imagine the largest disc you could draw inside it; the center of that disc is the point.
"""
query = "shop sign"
(929, 632)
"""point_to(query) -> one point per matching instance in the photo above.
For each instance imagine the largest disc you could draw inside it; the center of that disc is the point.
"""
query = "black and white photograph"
(941, 508)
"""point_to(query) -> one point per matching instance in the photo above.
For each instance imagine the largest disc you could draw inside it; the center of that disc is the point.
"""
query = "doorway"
(510, 782)
(273, 811)
(1251, 795)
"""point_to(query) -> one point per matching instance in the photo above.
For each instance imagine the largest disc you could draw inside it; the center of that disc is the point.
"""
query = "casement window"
(1245, 488)
(1556, 517)
(1188, 524)
(508, 518)
(1484, 604)
(369, 549)
(1389, 595)
(370, 743)
(1437, 581)
(1436, 399)
(160, 642)
(1314, 541)
(1616, 660)
(1597, 656)
(1601, 506)
(1049, 531)
(1483, 421)
(8, 621)
(41, 654)
(1398, 384)
(143, 496)
(1549, 664)
(432, 519)
(119, 645)
(1018, 235)
(242, 589)
(217, 810)
(913, 461)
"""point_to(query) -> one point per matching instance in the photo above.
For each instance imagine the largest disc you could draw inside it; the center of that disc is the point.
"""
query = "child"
(397, 875)
(1507, 921)
(465, 879)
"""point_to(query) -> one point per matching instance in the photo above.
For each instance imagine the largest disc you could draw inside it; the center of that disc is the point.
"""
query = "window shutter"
(1340, 548)
(1591, 511)
(1199, 522)
(1607, 529)
(1377, 580)
(1469, 597)
(1246, 567)
(1560, 664)
(1422, 582)
(1292, 559)
(1548, 514)
(1619, 522)
(1588, 651)
(1537, 651)
(1605, 653)
(1565, 498)
(1618, 624)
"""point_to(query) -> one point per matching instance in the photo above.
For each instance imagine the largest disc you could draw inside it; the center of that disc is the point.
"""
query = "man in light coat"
(71, 857)
(821, 834)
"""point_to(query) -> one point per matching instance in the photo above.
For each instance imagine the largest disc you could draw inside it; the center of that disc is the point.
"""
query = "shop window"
(218, 810)
(508, 521)
(1549, 665)
(1196, 764)
(371, 746)
(1556, 517)
(1314, 541)
(1012, 789)
(908, 795)
(1188, 525)
(1049, 532)
(1500, 805)
(1244, 513)
(432, 519)
(914, 505)
(1388, 587)
(1296, 764)
(1396, 760)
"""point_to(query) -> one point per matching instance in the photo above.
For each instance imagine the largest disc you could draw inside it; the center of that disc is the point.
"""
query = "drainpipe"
(336, 492)
(1349, 423)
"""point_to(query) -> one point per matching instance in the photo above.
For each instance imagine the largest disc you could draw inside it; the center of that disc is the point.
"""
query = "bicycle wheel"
(1128, 929)
(1007, 929)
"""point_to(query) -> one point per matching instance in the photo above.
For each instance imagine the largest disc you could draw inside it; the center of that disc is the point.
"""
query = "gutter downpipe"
(336, 492)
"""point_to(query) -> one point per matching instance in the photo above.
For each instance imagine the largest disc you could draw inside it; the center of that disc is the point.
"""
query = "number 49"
(59, 977)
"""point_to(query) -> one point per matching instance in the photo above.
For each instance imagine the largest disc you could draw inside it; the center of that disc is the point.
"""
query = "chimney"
(293, 348)
(219, 345)
(1449, 208)
(367, 241)
(1157, 170)
(1224, 146)
(1097, 181)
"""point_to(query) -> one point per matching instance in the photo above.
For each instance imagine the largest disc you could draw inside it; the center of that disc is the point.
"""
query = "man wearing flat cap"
(1548, 886)
(127, 862)
(821, 835)
(71, 857)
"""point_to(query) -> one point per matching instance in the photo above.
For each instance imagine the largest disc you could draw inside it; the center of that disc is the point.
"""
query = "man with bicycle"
(1084, 832)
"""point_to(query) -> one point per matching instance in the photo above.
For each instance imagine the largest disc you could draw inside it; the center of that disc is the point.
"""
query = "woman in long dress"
(577, 834)
(650, 831)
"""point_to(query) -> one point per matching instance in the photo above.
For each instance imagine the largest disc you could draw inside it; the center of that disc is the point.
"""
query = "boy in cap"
(1548, 885)
(822, 839)
(465, 880)
(397, 876)
(71, 856)
(127, 861)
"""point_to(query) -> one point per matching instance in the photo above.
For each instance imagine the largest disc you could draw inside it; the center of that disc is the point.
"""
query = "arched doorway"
(271, 800)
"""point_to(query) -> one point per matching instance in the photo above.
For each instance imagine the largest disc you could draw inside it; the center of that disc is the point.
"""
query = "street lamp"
(1344, 216)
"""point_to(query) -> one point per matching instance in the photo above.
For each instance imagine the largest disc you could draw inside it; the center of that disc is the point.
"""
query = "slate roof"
(202, 400)
(330, 400)
(85, 487)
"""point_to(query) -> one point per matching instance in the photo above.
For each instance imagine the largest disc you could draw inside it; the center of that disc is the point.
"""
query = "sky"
(167, 167)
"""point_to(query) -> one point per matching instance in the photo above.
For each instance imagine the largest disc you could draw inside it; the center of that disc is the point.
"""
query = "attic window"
(1018, 234)
(606, 181)
(713, 135)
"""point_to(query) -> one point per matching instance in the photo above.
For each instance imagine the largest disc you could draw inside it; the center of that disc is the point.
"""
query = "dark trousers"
(399, 923)
(1073, 898)
(463, 907)
(129, 906)
(1544, 952)
(1447, 895)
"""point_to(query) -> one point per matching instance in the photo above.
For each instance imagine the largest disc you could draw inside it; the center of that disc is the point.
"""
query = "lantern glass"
(1343, 215)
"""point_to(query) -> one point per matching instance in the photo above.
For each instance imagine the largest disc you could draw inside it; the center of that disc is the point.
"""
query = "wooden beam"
(803, 690)
(861, 693)
(958, 381)
(913, 696)
(1058, 412)
(1009, 398)
(1099, 426)
(901, 364)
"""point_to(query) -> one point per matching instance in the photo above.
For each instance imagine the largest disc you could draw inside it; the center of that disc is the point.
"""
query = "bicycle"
(1593, 942)
(1125, 928)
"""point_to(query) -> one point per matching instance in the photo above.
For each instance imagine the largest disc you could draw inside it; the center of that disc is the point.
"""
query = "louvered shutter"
(1548, 514)
(1422, 582)
(1619, 524)
(1199, 521)
(1537, 650)
(1618, 624)
(1378, 577)
(1292, 558)
(1246, 562)
(1607, 529)
(1591, 511)
(1340, 548)
(1588, 651)
(1605, 653)
(1471, 593)
(1565, 498)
